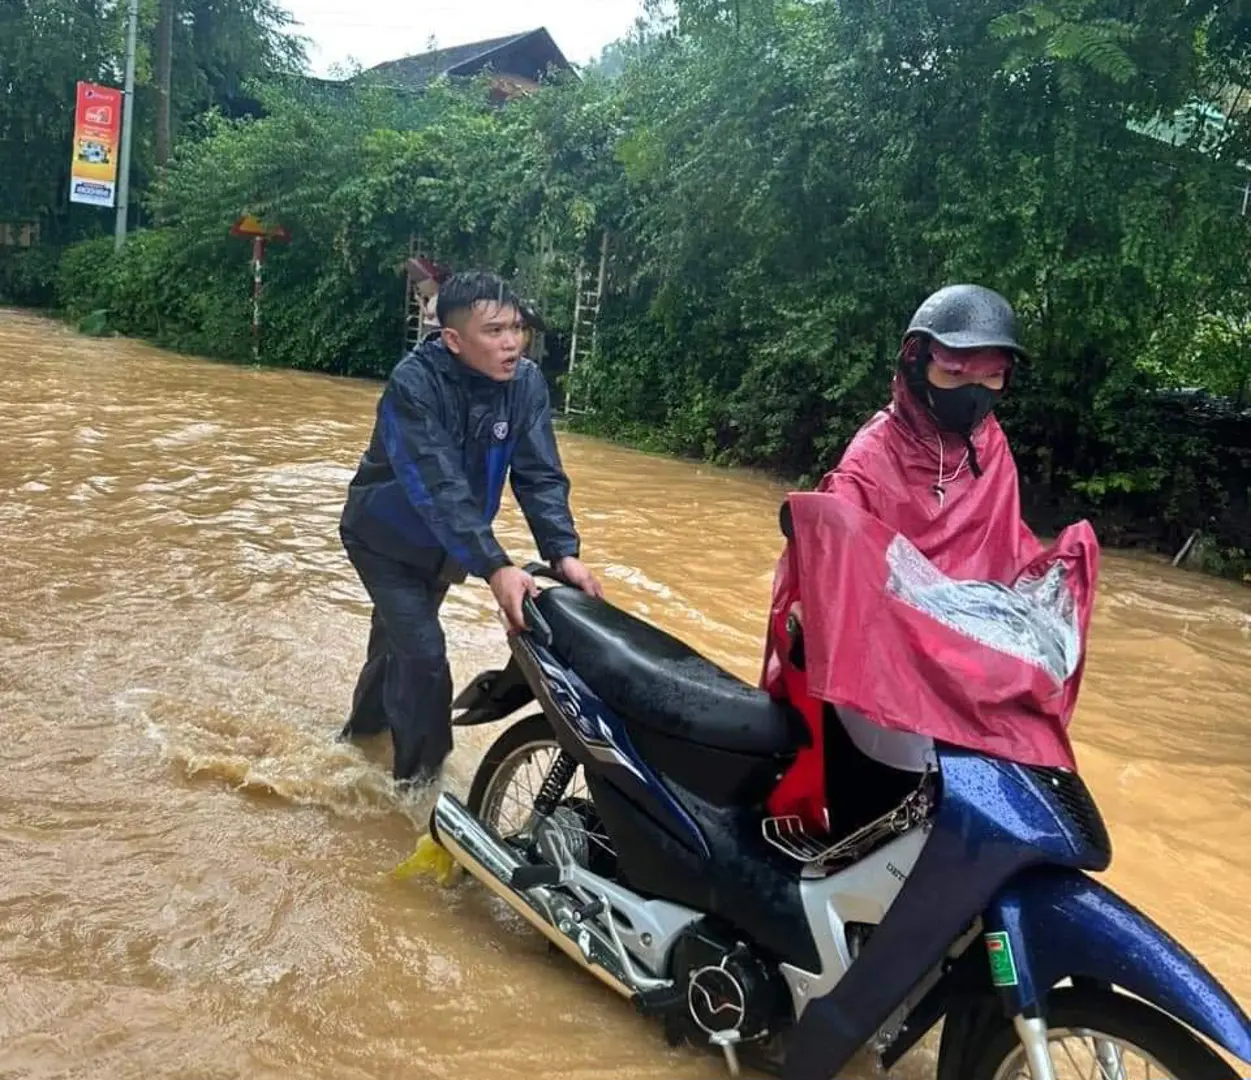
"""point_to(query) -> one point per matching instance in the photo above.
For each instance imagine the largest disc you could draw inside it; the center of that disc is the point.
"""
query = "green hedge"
(28, 276)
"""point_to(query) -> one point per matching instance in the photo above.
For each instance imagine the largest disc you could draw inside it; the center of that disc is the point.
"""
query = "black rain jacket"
(444, 440)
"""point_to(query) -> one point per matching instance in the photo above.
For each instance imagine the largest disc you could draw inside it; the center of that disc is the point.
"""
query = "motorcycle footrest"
(660, 1001)
(588, 911)
(527, 877)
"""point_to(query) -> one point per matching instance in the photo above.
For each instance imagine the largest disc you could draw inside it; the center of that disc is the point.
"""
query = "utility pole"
(128, 129)
(164, 76)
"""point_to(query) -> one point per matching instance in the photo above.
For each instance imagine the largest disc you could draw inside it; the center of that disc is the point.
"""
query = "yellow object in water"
(429, 857)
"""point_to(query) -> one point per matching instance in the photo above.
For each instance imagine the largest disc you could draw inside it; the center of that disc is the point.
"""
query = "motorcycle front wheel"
(1101, 1035)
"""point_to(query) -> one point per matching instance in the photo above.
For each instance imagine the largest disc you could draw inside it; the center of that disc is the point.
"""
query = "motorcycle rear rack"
(788, 834)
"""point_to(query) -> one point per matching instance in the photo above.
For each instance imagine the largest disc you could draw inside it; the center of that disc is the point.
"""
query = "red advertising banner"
(97, 137)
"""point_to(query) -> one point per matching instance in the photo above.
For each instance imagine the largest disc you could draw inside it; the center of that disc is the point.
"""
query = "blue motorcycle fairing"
(992, 822)
(744, 885)
(1004, 845)
(598, 740)
(1062, 923)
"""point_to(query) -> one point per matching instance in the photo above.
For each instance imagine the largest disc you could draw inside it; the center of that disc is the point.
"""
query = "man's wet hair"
(464, 291)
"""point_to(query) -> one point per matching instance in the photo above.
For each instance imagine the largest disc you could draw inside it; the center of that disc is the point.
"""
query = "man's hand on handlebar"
(576, 573)
(510, 585)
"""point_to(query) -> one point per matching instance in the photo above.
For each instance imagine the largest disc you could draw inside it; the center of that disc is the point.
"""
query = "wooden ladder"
(586, 306)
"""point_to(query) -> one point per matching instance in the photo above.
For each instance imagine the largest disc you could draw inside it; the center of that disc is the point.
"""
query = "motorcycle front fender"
(1061, 923)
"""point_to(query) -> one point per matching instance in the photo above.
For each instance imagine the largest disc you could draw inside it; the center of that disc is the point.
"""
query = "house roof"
(528, 54)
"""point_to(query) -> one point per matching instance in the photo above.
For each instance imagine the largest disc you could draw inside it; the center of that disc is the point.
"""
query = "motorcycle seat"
(649, 678)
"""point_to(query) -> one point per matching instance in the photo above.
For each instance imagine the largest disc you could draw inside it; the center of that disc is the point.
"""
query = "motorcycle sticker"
(1002, 963)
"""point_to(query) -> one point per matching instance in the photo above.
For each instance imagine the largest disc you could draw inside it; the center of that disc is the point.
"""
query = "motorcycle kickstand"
(728, 1041)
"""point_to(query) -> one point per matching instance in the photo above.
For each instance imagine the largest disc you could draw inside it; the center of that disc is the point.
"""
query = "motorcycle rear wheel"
(516, 749)
(1152, 1045)
(533, 734)
(530, 734)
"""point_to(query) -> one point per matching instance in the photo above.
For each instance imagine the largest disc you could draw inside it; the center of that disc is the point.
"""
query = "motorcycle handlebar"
(535, 623)
(542, 570)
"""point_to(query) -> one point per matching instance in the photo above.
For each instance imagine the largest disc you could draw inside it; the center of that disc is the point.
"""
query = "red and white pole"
(258, 261)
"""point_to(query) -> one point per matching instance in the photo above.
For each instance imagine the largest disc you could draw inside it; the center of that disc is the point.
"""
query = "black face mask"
(961, 409)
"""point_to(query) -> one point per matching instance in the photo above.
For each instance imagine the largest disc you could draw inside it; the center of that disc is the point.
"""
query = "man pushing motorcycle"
(459, 415)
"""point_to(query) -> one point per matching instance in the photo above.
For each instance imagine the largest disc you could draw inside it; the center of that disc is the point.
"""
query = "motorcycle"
(642, 849)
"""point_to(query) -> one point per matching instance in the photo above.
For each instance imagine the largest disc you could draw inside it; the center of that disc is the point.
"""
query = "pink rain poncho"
(927, 604)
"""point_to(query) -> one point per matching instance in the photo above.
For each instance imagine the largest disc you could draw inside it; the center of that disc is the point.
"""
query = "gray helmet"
(967, 317)
(531, 318)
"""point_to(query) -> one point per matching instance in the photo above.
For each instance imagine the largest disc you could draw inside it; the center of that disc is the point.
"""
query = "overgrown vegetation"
(214, 48)
(782, 181)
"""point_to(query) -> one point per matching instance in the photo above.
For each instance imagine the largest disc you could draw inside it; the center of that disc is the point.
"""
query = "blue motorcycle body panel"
(600, 742)
(990, 825)
(1062, 923)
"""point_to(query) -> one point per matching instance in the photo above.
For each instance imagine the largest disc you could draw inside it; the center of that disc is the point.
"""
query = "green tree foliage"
(805, 173)
(782, 182)
(351, 174)
(50, 45)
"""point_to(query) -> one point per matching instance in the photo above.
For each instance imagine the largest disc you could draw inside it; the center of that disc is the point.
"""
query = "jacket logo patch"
(500, 430)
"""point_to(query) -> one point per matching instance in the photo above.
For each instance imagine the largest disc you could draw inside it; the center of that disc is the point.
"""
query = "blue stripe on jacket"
(497, 461)
(433, 530)
(410, 479)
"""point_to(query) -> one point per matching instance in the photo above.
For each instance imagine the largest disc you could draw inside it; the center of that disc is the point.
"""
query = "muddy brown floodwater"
(193, 874)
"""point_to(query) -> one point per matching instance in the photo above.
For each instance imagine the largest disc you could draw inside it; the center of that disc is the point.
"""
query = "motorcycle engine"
(728, 988)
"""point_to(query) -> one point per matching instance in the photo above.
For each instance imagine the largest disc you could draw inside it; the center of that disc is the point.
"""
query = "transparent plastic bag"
(1034, 620)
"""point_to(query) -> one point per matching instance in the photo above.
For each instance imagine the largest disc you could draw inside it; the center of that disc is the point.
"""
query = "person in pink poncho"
(866, 614)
